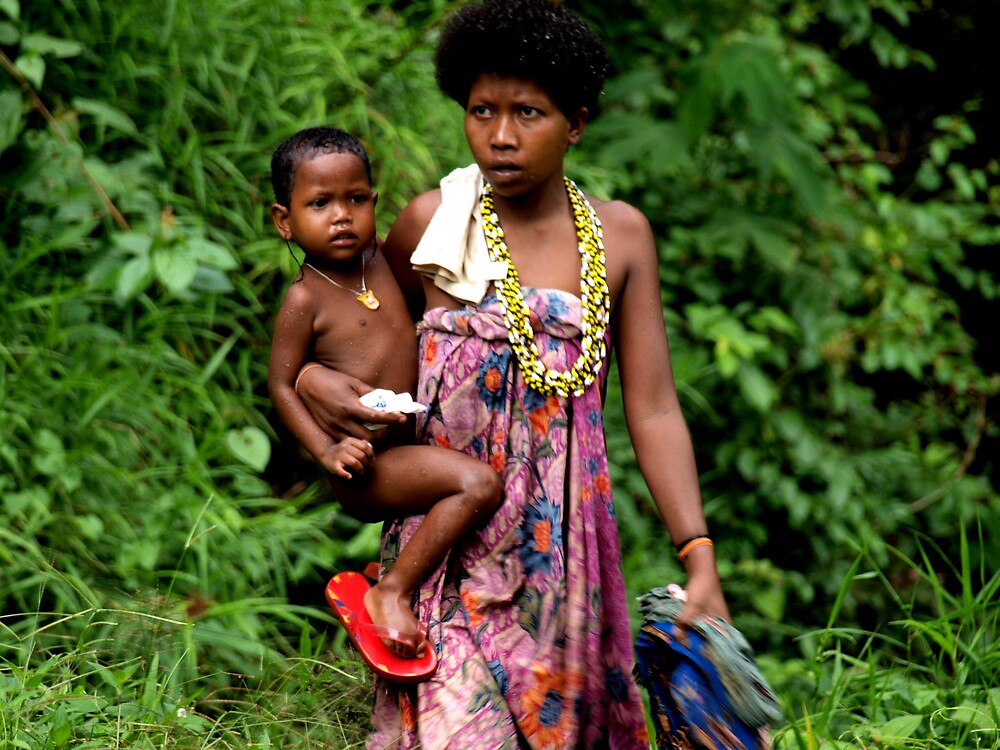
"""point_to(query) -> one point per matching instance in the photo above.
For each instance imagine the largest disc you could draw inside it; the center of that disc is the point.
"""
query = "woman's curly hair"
(532, 39)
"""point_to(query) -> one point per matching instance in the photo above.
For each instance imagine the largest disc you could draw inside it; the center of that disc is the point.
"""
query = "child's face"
(331, 215)
(517, 134)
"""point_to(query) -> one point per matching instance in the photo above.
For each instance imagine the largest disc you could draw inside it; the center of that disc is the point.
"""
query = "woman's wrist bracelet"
(685, 547)
(302, 372)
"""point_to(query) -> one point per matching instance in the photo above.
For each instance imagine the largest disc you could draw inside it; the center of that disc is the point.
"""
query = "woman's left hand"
(704, 598)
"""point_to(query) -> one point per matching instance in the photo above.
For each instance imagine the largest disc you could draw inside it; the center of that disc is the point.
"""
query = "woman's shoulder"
(421, 209)
(627, 234)
(410, 225)
(619, 215)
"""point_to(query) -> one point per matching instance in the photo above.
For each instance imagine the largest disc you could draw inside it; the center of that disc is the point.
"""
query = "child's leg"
(456, 492)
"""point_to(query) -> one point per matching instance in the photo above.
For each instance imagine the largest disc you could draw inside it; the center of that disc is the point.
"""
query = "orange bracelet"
(302, 372)
(684, 551)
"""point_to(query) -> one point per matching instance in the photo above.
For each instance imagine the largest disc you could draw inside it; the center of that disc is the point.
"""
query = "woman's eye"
(480, 110)
(529, 112)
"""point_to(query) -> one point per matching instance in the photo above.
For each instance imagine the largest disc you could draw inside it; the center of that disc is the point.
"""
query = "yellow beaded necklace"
(594, 297)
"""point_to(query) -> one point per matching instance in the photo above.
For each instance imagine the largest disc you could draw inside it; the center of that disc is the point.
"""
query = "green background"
(823, 182)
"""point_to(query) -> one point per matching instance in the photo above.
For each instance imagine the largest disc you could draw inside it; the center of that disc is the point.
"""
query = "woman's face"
(517, 134)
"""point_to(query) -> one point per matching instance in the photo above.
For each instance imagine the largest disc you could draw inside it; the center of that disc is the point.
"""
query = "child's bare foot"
(392, 611)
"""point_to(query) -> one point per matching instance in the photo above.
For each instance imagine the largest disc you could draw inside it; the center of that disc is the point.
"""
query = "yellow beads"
(594, 296)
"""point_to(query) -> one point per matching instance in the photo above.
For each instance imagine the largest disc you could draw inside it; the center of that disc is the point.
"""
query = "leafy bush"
(815, 299)
(925, 678)
(138, 276)
(163, 547)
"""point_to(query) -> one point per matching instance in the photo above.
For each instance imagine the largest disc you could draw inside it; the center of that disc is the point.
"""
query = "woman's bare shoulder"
(420, 210)
(619, 215)
(627, 234)
(410, 225)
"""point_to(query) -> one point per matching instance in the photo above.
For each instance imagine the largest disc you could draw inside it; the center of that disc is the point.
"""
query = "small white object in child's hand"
(388, 401)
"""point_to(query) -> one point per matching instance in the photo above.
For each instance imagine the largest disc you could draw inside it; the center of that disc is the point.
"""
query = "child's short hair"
(304, 145)
(532, 39)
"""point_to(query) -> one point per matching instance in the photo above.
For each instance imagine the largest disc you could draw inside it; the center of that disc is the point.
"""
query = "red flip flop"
(346, 594)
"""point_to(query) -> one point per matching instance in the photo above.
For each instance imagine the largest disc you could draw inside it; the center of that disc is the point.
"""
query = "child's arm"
(653, 414)
(291, 347)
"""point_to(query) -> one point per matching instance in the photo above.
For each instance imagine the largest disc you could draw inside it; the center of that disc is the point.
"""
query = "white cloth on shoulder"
(453, 250)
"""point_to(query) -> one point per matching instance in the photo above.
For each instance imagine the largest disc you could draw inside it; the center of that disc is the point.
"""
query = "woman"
(526, 284)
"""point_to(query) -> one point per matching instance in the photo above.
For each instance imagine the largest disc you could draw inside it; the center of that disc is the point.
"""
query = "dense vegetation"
(829, 267)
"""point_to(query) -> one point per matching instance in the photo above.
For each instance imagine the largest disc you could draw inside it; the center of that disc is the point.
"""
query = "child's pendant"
(368, 299)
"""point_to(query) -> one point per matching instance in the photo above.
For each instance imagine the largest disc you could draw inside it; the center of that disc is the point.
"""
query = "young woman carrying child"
(525, 285)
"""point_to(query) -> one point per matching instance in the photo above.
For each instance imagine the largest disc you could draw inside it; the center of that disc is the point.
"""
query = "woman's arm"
(655, 422)
(331, 398)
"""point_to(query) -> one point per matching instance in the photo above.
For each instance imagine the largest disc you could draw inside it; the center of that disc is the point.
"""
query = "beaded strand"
(594, 296)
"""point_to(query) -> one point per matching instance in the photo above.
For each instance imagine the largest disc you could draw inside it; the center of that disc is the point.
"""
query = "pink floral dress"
(529, 616)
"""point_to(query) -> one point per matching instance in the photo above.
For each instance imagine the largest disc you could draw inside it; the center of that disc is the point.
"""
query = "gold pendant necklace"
(366, 296)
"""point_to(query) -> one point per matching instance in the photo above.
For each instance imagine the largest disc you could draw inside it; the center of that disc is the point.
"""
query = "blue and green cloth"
(704, 685)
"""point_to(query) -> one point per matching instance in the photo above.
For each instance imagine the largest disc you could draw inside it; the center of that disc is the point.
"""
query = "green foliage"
(161, 547)
(102, 693)
(925, 678)
(138, 514)
(814, 300)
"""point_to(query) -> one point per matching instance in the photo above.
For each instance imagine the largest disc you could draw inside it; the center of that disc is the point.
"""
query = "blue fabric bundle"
(705, 688)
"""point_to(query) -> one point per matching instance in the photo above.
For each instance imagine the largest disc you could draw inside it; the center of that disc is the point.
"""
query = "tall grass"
(927, 677)
(113, 686)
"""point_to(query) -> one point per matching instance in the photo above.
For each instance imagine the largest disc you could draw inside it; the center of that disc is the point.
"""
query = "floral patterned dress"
(528, 617)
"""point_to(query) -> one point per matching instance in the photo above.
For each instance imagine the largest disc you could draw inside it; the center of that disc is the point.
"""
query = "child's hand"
(348, 458)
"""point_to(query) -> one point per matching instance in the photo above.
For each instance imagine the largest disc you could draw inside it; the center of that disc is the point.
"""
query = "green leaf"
(750, 69)
(105, 114)
(660, 146)
(758, 389)
(770, 602)
(50, 455)
(89, 525)
(61, 729)
(211, 253)
(698, 107)
(134, 243)
(251, 446)
(11, 7)
(900, 727)
(48, 45)
(34, 498)
(774, 248)
(11, 118)
(32, 67)
(9, 34)
(175, 266)
(211, 281)
(135, 276)
(780, 151)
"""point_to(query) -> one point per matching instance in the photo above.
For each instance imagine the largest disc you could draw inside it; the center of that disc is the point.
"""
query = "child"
(346, 312)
